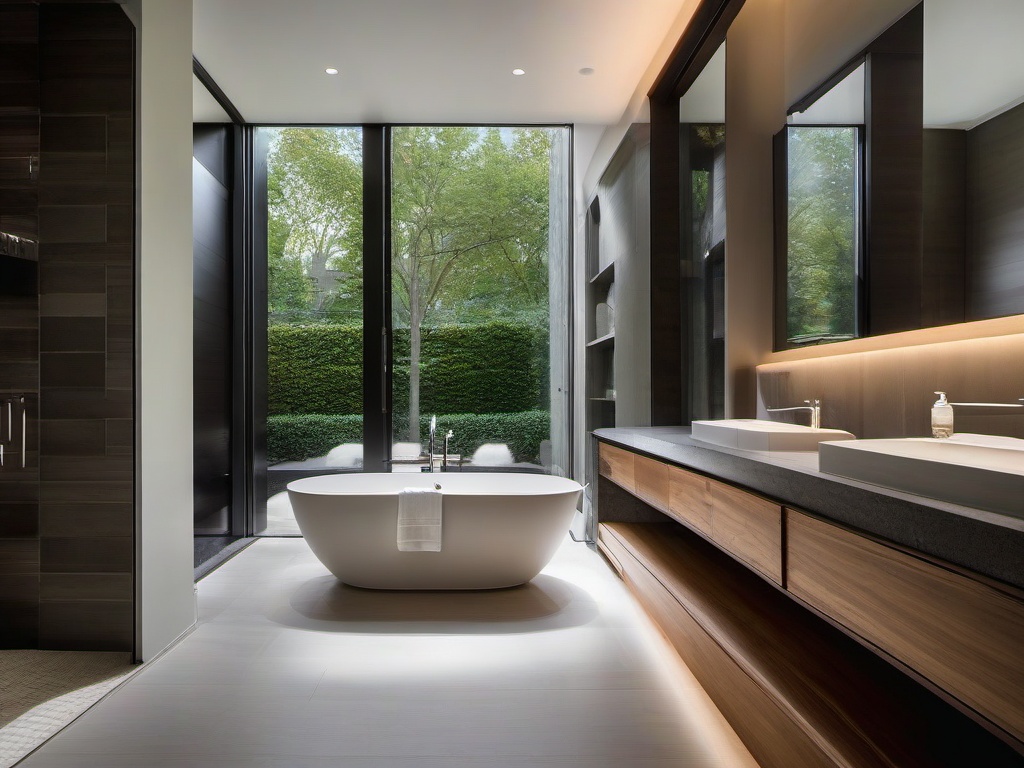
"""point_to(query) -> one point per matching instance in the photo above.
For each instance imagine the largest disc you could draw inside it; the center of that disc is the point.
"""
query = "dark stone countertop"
(981, 541)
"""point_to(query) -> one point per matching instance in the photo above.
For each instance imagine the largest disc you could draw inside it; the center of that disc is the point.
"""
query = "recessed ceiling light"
(518, 71)
(587, 71)
(331, 71)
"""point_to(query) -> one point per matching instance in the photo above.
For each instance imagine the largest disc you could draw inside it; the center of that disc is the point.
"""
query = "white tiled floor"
(290, 668)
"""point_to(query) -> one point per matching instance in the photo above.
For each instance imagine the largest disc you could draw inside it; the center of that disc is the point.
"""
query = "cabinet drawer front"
(748, 527)
(617, 465)
(690, 499)
(964, 636)
(651, 478)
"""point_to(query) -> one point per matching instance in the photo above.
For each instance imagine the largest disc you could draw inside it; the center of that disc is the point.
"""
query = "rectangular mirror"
(926, 228)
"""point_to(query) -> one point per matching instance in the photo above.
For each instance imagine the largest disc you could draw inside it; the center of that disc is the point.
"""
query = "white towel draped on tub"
(419, 520)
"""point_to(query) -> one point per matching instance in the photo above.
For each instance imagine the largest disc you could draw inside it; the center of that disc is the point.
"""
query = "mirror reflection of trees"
(823, 233)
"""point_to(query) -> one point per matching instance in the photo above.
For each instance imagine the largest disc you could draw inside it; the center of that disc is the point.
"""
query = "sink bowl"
(980, 471)
(760, 435)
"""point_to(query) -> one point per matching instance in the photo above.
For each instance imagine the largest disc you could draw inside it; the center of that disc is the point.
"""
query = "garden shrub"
(315, 369)
(488, 368)
(302, 436)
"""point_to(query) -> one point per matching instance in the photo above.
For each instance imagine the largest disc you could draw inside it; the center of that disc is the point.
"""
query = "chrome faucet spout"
(814, 407)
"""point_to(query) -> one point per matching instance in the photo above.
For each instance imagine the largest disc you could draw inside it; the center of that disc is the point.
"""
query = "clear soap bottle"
(942, 417)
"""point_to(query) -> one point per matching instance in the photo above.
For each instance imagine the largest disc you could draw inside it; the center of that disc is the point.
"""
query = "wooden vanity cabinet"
(963, 635)
(745, 525)
(690, 499)
(652, 481)
(617, 465)
(749, 527)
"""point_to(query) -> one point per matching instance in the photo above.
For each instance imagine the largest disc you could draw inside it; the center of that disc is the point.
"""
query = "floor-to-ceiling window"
(472, 267)
(471, 304)
(314, 322)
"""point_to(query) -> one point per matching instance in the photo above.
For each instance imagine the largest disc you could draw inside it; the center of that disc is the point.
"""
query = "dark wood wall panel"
(996, 220)
(19, 324)
(888, 393)
(68, 521)
(944, 275)
(212, 328)
(894, 136)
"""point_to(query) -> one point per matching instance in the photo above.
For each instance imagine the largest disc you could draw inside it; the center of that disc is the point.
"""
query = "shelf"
(604, 341)
(604, 276)
(602, 399)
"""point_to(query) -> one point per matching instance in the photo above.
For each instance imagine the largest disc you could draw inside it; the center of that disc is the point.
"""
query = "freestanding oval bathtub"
(497, 530)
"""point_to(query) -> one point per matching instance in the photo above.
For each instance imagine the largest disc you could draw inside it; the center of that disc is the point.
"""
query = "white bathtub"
(498, 529)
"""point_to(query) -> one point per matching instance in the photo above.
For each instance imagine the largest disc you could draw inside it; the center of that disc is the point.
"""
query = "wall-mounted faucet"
(813, 406)
(1018, 404)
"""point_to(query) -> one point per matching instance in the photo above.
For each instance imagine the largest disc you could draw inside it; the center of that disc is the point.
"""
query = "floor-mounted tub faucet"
(444, 454)
(813, 406)
(430, 444)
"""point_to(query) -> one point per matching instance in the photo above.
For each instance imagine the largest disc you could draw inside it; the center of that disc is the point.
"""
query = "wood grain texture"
(652, 482)
(962, 635)
(749, 527)
(617, 465)
(690, 499)
(772, 737)
(797, 690)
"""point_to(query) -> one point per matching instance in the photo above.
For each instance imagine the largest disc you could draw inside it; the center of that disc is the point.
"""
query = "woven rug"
(43, 691)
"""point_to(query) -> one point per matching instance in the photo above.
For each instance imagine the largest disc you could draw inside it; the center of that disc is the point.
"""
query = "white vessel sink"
(760, 435)
(980, 471)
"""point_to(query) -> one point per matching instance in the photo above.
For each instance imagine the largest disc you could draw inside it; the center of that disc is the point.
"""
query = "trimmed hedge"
(303, 436)
(315, 369)
(488, 368)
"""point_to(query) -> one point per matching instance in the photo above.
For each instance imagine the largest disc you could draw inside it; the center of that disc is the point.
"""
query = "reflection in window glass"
(823, 233)
(702, 138)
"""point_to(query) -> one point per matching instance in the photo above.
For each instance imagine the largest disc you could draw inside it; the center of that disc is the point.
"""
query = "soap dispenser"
(942, 417)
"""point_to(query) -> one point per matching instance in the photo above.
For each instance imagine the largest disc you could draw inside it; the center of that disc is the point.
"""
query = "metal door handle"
(383, 370)
(24, 433)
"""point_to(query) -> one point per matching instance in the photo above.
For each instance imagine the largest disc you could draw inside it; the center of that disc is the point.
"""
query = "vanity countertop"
(985, 542)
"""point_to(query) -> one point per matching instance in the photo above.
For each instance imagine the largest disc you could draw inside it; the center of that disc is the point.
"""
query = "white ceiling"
(205, 108)
(973, 60)
(430, 60)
